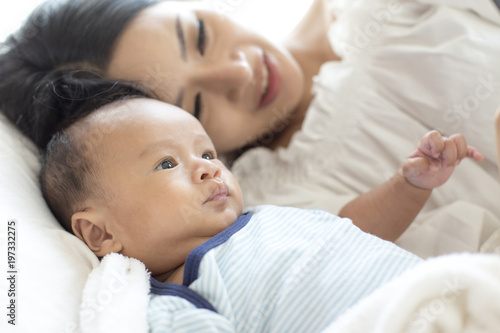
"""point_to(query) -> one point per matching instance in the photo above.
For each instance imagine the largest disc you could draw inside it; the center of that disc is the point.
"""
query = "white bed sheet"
(51, 265)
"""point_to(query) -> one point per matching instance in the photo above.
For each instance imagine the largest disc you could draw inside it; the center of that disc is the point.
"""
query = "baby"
(141, 178)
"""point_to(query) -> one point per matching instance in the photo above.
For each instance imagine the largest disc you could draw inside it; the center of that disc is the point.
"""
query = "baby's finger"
(475, 154)
(432, 144)
(460, 145)
(449, 154)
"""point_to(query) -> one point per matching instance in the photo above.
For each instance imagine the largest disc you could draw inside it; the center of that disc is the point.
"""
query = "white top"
(278, 270)
(408, 67)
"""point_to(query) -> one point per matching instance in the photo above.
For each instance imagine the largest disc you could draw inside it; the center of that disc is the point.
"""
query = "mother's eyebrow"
(182, 43)
(180, 37)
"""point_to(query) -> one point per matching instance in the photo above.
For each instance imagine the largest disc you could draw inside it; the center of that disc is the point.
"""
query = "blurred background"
(272, 18)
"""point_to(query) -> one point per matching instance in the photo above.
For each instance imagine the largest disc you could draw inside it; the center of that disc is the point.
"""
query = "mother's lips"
(220, 192)
(272, 74)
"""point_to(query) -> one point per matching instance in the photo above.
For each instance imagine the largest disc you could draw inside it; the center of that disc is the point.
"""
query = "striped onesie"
(276, 269)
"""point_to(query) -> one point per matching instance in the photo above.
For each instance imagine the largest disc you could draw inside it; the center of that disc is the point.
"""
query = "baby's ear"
(90, 228)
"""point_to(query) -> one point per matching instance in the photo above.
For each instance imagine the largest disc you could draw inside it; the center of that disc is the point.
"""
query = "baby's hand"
(435, 158)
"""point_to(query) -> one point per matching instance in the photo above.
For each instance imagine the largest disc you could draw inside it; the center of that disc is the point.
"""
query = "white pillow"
(51, 265)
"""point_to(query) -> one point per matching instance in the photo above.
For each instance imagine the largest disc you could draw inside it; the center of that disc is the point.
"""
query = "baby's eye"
(209, 155)
(166, 164)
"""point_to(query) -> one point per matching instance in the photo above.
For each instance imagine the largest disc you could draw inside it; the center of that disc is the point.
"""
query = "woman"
(389, 71)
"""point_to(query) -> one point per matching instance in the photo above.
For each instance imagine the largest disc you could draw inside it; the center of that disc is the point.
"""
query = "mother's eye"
(166, 164)
(201, 36)
(197, 106)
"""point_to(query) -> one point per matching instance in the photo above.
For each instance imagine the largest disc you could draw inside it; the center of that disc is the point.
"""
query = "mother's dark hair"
(59, 37)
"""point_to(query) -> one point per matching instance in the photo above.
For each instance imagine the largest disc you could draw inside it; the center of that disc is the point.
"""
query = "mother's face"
(237, 83)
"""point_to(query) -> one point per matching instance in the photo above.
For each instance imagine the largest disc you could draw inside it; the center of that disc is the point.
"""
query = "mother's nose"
(229, 76)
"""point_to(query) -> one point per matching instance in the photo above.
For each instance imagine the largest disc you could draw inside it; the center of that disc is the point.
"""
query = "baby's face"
(169, 192)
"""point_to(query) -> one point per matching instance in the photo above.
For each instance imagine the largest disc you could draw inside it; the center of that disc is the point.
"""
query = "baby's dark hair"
(70, 172)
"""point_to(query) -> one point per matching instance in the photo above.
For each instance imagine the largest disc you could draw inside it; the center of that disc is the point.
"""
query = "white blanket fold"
(457, 293)
(116, 297)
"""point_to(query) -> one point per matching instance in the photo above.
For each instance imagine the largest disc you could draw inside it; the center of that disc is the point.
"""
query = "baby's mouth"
(220, 192)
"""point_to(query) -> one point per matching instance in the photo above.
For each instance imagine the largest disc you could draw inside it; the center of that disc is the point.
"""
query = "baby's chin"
(227, 222)
(229, 218)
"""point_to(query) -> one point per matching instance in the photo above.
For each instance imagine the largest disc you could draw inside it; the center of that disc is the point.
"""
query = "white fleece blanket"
(457, 293)
(116, 297)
